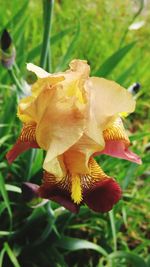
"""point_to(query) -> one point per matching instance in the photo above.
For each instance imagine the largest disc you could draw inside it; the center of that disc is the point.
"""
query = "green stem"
(48, 10)
(14, 79)
(132, 20)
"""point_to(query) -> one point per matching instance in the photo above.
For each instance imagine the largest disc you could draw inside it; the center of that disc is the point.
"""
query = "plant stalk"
(48, 10)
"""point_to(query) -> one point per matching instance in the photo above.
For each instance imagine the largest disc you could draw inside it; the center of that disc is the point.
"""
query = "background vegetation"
(50, 236)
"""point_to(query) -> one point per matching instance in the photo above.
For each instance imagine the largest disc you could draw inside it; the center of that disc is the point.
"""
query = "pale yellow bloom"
(70, 113)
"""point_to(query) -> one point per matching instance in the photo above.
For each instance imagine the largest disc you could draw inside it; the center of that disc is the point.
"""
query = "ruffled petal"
(25, 141)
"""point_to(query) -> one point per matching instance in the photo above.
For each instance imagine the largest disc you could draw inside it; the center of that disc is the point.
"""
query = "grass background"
(49, 236)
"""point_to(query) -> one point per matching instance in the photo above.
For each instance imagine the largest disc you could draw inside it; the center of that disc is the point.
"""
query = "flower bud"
(134, 88)
(8, 52)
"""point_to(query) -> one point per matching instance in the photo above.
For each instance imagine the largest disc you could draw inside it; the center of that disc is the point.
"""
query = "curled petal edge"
(119, 149)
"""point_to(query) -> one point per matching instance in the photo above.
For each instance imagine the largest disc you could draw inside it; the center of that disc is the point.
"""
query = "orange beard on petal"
(99, 191)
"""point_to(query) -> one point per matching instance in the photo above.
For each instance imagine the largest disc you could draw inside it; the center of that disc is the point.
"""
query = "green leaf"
(13, 188)
(11, 255)
(4, 195)
(129, 176)
(113, 228)
(134, 259)
(5, 233)
(73, 244)
(2, 256)
(127, 73)
(3, 124)
(19, 30)
(4, 139)
(2, 207)
(58, 36)
(55, 38)
(37, 162)
(17, 16)
(8, 106)
(69, 53)
(109, 65)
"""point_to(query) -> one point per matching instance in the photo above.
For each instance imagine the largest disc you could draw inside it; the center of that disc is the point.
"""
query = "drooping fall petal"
(99, 191)
(117, 143)
(58, 192)
(103, 195)
(25, 141)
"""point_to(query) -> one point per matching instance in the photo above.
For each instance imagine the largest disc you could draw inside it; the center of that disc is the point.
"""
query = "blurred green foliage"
(50, 236)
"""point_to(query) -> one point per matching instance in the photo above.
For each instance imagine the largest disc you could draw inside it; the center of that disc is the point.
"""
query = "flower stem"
(48, 10)
(14, 79)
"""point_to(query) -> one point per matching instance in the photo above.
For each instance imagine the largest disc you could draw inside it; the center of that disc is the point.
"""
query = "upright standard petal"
(60, 123)
(108, 99)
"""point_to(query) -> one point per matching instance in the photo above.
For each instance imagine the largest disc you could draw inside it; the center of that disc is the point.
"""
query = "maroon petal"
(103, 195)
(62, 197)
(19, 148)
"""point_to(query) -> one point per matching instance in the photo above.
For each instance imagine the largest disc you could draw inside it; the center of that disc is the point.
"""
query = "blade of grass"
(127, 73)
(11, 255)
(106, 68)
(5, 233)
(4, 139)
(141, 7)
(113, 228)
(13, 188)
(54, 39)
(73, 244)
(17, 16)
(134, 259)
(48, 10)
(37, 162)
(129, 176)
(5, 196)
(2, 207)
(2, 253)
(69, 53)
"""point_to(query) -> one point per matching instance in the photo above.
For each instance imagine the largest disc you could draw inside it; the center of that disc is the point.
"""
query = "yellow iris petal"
(74, 90)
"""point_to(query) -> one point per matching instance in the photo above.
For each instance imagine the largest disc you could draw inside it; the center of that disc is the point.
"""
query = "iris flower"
(74, 117)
